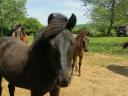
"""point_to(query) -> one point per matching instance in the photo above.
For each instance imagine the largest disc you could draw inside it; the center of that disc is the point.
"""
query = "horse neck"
(24, 39)
(16, 32)
(79, 42)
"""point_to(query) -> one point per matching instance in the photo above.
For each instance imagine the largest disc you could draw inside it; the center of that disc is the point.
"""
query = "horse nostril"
(64, 83)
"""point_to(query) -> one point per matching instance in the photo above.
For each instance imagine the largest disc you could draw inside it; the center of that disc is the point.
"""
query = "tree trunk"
(111, 19)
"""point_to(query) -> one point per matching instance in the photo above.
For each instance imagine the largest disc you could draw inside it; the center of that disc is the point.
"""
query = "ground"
(102, 75)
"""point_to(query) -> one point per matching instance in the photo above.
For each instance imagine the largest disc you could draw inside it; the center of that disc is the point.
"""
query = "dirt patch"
(98, 78)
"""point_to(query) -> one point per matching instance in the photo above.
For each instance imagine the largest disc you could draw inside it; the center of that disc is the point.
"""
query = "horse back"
(13, 55)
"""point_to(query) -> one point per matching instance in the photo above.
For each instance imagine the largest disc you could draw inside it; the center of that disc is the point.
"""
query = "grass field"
(105, 45)
(108, 45)
(30, 38)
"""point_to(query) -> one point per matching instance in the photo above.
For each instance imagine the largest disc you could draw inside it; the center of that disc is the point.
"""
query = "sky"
(41, 9)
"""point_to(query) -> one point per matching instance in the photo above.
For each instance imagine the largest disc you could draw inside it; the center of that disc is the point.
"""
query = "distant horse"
(125, 45)
(18, 32)
(46, 65)
(81, 46)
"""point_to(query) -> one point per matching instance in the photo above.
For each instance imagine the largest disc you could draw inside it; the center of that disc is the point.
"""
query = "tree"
(109, 13)
(31, 25)
(11, 12)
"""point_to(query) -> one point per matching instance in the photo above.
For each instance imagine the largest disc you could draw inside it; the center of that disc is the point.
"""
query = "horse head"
(84, 39)
(61, 43)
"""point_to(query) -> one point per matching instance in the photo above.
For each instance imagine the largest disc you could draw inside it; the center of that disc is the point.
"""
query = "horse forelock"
(83, 35)
(55, 27)
(17, 27)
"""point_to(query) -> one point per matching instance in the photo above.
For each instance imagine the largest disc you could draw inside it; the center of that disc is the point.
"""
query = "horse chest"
(78, 51)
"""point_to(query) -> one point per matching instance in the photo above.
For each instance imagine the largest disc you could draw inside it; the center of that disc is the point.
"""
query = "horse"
(46, 65)
(125, 45)
(18, 32)
(81, 46)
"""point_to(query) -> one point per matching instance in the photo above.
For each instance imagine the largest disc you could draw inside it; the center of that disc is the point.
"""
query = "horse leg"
(80, 62)
(73, 64)
(76, 65)
(55, 91)
(36, 92)
(11, 88)
(0, 84)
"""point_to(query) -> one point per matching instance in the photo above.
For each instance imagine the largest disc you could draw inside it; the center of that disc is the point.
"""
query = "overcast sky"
(41, 9)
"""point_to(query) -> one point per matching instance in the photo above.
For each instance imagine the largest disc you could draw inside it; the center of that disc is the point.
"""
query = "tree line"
(13, 12)
(107, 15)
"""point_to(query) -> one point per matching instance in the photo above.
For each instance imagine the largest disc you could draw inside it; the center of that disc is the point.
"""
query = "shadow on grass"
(123, 70)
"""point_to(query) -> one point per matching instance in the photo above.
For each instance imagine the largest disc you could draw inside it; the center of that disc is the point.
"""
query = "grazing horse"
(125, 45)
(81, 46)
(46, 65)
(18, 32)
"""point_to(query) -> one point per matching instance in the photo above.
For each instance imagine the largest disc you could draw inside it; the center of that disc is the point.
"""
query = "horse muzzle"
(64, 82)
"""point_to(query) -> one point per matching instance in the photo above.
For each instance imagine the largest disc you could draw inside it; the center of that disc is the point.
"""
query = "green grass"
(30, 39)
(105, 45)
(108, 45)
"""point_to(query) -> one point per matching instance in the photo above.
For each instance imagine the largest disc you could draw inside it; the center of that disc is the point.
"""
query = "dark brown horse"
(81, 46)
(46, 65)
(125, 45)
(18, 32)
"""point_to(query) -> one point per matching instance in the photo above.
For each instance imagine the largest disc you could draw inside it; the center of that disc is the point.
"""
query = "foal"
(81, 46)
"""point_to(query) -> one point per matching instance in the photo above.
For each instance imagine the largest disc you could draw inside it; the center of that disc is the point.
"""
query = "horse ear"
(71, 22)
(50, 18)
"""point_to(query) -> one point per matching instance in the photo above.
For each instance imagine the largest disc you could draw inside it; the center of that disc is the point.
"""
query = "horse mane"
(55, 27)
(14, 30)
(23, 32)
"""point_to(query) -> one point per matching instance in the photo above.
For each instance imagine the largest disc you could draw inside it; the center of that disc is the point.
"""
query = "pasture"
(104, 71)
(108, 45)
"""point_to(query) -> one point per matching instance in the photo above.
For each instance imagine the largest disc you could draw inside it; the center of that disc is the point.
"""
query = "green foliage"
(30, 39)
(11, 12)
(94, 29)
(87, 27)
(32, 25)
(108, 13)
